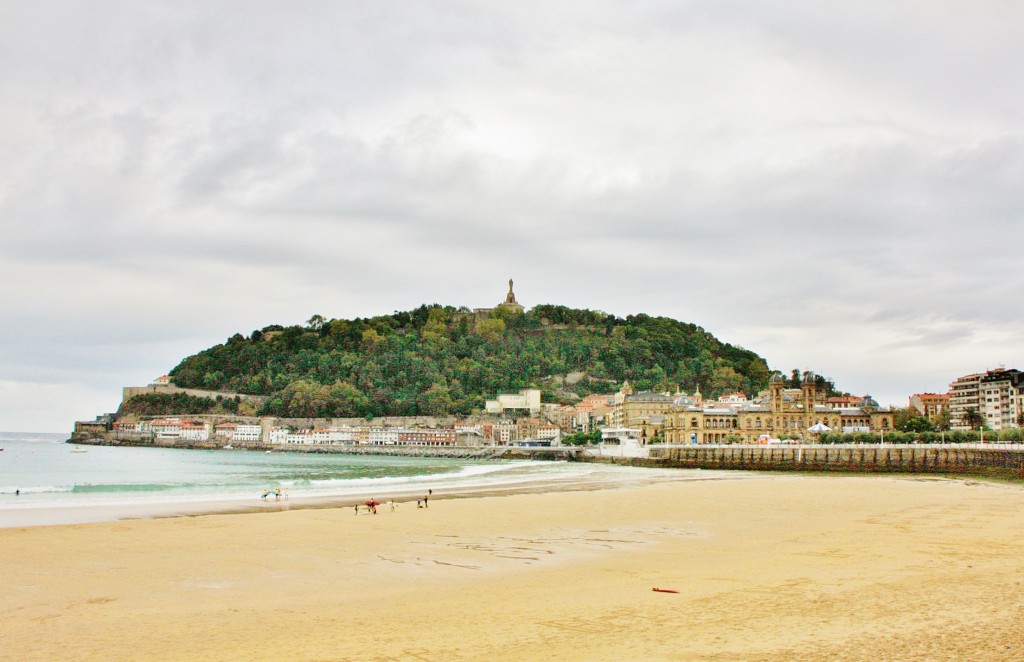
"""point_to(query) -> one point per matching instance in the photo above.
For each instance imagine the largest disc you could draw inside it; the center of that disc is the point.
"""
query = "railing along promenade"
(973, 458)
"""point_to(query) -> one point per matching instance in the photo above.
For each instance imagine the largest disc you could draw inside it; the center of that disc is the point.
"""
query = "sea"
(44, 480)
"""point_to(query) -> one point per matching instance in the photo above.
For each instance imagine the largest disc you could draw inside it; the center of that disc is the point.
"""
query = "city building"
(776, 413)
(645, 411)
(999, 398)
(963, 397)
(550, 432)
(995, 396)
(248, 432)
(527, 400)
(504, 431)
(930, 405)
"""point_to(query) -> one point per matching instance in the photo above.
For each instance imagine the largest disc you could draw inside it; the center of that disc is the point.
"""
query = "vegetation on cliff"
(439, 359)
(162, 404)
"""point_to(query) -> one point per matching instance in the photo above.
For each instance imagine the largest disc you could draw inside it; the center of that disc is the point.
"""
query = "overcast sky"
(838, 187)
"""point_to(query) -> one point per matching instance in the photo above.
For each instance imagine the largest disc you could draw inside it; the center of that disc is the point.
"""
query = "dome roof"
(776, 378)
(683, 401)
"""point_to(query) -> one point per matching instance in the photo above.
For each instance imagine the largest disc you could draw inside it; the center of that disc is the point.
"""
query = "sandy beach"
(771, 568)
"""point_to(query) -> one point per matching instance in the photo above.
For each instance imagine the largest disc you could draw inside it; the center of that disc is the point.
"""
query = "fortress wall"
(129, 392)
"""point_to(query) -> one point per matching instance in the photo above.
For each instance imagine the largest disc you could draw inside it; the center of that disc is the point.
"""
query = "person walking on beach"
(425, 498)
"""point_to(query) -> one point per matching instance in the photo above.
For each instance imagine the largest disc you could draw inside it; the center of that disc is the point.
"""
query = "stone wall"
(129, 392)
(933, 458)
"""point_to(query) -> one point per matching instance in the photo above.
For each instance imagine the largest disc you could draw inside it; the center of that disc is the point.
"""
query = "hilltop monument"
(510, 299)
(509, 304)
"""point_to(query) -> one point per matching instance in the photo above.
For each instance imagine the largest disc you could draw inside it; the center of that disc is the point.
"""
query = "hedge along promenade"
(1015, 435)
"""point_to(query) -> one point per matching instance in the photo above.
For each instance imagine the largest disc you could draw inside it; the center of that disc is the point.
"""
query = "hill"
(439, 359)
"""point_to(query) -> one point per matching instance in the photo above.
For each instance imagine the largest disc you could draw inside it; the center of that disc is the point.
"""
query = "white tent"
(819, 427)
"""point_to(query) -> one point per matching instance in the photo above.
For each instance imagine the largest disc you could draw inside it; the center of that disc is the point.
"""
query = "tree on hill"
(441, 359)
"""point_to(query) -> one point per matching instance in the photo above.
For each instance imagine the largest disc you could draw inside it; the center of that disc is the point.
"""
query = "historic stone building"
(778, 412)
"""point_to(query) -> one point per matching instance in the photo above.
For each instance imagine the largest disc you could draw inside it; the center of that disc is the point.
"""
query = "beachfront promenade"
(980, 459)
(1004, 460)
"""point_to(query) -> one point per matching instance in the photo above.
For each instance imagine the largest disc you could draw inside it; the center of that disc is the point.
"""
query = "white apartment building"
(300, 437)
(247, 432)
(193, 431)
(998, 395)
(999, 398)
(504, 431)
(552, 432)
(383, 437)
(132, 427)
(528, 399)
(166, 428)
(963, 395)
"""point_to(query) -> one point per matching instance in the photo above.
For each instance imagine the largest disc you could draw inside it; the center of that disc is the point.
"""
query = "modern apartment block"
(998, 395)
(963, 396)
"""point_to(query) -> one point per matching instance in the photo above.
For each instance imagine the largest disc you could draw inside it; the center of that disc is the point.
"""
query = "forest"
(437, 360)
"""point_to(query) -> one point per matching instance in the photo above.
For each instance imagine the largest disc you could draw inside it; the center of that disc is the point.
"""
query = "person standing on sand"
(425, 498)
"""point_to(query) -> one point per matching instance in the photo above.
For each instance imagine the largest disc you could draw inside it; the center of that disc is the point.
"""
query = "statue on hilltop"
(510, 300)
(511, 297)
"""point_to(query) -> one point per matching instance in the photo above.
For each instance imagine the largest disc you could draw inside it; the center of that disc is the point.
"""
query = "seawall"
(971, 459)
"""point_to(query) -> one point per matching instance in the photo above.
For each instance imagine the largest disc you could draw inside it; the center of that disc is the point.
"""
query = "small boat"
(79, 449)
(228, 447)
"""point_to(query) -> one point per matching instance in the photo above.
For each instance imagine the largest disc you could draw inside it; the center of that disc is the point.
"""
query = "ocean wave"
(43, 489)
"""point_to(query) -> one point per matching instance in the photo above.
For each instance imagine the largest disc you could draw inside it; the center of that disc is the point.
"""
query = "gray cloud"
(837, 188)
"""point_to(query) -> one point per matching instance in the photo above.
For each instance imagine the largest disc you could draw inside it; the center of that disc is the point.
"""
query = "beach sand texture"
(768, 568)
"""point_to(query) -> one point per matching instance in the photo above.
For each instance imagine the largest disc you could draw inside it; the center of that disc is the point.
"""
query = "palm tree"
(972, 418)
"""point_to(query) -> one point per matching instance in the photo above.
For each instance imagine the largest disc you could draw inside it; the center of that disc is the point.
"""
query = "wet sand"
(771, 568)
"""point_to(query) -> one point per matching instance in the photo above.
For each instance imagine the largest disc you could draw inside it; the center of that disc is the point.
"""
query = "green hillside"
(439, 359)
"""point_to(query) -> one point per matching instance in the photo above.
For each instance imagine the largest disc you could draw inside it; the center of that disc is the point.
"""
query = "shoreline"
(993, 461)
(70, 514)
(777, 568)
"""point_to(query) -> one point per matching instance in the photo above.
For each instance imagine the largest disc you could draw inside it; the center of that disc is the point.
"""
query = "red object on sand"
(665, 590)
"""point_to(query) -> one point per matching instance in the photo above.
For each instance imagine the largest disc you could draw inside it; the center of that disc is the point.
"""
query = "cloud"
(836, 188)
